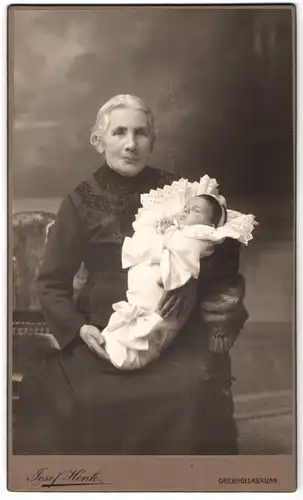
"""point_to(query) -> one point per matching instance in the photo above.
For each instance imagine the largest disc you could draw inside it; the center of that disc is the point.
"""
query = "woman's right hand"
(92, 337)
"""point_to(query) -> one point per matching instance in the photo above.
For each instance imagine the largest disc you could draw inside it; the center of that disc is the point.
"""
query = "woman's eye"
(142, 131)
(118, 131)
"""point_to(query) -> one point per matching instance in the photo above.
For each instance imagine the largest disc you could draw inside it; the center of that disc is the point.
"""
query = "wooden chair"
(31, 337)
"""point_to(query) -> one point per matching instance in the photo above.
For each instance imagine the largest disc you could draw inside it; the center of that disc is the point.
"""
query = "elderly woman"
(77, 402)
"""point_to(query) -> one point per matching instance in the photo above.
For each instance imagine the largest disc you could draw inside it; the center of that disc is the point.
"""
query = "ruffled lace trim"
(167, 202)
(182, 189)
(241, 224)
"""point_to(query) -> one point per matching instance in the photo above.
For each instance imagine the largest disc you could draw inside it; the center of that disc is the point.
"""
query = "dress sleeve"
(62, 259)
(221, 291)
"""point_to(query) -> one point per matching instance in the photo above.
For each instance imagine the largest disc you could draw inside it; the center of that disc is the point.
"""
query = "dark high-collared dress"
(75, 402)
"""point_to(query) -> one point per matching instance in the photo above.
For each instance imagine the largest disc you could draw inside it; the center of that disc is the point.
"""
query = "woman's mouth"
(130, 159)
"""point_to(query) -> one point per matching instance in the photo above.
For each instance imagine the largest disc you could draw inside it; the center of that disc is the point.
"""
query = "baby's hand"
(163, 225)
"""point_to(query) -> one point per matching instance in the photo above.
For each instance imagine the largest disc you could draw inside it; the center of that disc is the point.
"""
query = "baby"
(202, 209)
(166, 250)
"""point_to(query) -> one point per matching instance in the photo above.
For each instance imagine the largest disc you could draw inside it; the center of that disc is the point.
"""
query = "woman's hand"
(176, 305)
(92, 337)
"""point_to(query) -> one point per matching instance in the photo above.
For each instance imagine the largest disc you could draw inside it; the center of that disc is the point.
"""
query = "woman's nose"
(131, 142)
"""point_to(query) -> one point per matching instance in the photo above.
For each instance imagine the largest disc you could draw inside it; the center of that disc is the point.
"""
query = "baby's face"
(197, 211)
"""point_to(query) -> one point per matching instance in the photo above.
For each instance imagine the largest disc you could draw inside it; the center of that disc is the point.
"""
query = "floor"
(266, 435)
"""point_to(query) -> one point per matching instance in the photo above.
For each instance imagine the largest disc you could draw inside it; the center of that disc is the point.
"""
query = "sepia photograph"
(152, 243)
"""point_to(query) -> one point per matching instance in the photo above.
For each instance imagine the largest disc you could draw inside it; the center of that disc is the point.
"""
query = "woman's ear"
(96, 141)
(99, 145)
(153, 138)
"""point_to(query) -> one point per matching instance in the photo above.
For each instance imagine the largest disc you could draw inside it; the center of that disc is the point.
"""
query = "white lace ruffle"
(239, 226)
(167, 202)
(184, 190)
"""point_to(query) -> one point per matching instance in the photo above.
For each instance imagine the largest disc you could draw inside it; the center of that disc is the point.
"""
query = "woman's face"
(127, 141)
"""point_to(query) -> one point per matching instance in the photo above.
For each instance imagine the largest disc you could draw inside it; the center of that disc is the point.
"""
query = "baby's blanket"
(163, 260)
(180, 249)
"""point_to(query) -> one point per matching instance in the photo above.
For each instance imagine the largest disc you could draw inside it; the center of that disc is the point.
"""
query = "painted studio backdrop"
(220, 84)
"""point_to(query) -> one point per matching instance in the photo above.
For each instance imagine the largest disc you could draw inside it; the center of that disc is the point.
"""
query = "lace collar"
(109, 179)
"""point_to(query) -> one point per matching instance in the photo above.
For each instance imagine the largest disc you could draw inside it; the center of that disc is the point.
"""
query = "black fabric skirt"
(75, 403)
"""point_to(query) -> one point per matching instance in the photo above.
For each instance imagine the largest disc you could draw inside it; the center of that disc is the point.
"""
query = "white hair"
(103, 116)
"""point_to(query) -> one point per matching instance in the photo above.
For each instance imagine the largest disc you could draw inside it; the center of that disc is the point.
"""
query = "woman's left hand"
(174, 308)
(176, 305)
